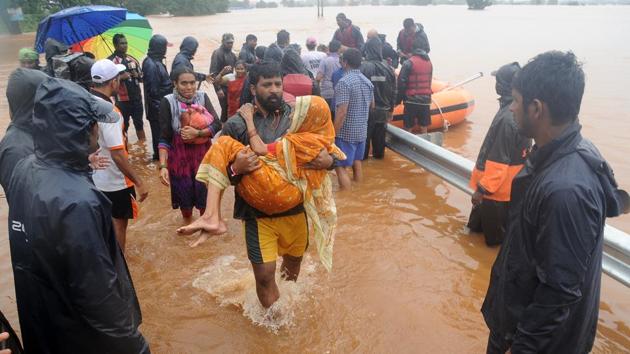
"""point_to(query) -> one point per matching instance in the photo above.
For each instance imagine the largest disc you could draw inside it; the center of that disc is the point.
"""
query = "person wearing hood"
(17, 142)
(157, 84)
(389, 53)
(248, 51)
(414, 89)
(382, 76)
(260, 53)
(544, 292)
(53, 48)
(80, 71)
(296, 79)
(222, 63)
(500, 158)
(348, 34)
(73, 288)
(411, 33)
(187, 51)
(129, 97)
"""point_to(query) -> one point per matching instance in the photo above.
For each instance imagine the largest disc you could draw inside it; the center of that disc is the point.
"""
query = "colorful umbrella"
(78, 23)
(136, 29)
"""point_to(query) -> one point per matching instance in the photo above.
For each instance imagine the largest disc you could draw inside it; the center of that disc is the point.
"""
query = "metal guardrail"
(456, 170)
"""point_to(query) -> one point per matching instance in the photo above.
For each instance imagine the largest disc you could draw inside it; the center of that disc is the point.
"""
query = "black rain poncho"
(73, 289)
(545, 283)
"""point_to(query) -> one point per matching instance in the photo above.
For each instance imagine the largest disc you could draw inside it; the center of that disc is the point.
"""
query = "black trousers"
(223, 102)
(155, 137)
(377, 127)
(133, 110)
(489, 217)
(497, 344)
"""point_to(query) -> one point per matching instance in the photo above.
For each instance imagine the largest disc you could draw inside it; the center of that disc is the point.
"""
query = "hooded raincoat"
(17, 143)
(73, 289)
(187, 51)
(545, 283)
(380, 74)
(157, 83)
(51, 49)
(296, 79)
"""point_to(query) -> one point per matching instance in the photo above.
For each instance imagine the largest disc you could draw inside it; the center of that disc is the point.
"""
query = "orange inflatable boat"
(448, 107)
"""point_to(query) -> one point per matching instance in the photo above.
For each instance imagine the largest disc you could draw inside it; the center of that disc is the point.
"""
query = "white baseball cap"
(105, 70)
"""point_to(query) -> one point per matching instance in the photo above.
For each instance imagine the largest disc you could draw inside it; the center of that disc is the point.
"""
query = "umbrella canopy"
(136, 29)
(75, 24)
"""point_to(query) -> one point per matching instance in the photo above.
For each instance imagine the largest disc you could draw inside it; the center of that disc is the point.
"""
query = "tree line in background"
(35, 10)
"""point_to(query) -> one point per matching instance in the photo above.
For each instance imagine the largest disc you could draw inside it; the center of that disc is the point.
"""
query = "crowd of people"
(287, 117)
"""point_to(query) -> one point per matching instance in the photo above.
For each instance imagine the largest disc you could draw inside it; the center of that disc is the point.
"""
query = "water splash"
(231, 282)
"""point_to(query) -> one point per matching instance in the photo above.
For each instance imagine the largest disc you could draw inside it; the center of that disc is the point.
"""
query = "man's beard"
(271, 104)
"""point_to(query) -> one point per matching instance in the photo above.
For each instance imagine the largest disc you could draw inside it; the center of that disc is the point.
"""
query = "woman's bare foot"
(212, 227)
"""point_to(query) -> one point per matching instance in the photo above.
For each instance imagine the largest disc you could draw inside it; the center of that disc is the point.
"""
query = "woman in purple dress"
(187, 121)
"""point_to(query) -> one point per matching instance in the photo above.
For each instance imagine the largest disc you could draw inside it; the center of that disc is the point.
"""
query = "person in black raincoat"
(17, 143)
(500, 158)
(187, 51)
(296, 79)
(545, 283)
(53, 48)
(248, 51)
(157, 84)
(222, 63)
(383, 78)
(389, 53)
(73, 289)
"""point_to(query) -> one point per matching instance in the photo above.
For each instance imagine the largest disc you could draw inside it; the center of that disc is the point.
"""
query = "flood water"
(407, 276)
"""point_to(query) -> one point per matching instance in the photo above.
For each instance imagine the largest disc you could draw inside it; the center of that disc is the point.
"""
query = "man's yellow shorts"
(268, 238)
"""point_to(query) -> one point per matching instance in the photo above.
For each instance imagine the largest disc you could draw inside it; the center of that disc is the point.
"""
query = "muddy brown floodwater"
(407, 276)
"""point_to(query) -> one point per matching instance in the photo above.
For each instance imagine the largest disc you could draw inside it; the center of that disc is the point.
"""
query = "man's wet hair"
(555, 78)
(251, 37)
(352, 57)
(408, 22)
(334, 46)
(283, 36)
(266, 70)
(117, 38)
(179, 71)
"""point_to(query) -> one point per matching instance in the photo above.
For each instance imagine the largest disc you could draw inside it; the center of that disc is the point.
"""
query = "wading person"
(354, 96)
(221, 63)
(327, 67)
(383, 78)
(187, 51)
(129, 96)
(500, 158)
(248, 52)
(269, 190)
(157, 84)
(235, 87)
(411, 33)
(414, 90)
(73, 289)
(545, 283)
(119, 181)
(348, 34)
(312, 58)
(284, 234)
(188, 121)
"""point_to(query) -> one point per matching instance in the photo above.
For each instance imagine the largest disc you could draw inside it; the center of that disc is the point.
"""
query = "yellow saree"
(282, 182)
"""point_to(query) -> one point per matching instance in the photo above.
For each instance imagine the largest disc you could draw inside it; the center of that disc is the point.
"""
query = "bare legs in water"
(210, 223)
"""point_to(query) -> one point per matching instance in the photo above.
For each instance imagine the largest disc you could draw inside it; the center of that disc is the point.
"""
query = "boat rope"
(446, 123)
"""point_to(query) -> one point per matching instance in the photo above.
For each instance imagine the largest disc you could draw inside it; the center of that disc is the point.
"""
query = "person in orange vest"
(501, 157)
